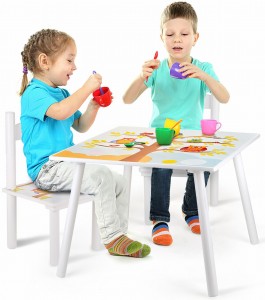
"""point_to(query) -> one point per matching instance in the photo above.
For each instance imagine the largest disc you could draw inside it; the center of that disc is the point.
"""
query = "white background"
(115, 38)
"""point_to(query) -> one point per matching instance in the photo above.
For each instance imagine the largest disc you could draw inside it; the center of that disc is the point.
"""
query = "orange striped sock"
(123, 246)
(193, 223)
(161, 234)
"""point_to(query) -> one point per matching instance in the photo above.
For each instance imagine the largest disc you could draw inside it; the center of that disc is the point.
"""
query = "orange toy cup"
(104, 99)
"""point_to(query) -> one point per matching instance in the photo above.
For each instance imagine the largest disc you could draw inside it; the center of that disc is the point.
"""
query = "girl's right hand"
(94, 82)
(148, 68)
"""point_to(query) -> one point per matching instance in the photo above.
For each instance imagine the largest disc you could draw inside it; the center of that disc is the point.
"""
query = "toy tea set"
(103, 95)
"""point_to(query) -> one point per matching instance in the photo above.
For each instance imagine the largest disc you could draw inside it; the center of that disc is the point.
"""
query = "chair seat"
(51, 200)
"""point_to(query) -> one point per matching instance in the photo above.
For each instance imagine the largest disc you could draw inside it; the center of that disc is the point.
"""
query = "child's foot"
(193, 223)
(143, 252)
(161, 234)
(123, 246)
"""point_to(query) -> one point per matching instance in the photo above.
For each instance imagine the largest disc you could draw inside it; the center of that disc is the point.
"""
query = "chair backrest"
(13, 134)
(213, 105)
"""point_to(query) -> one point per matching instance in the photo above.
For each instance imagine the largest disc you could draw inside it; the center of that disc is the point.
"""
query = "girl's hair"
(49, 41)
(179, 10)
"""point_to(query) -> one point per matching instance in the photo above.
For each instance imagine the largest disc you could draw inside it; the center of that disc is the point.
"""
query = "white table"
(109, 148)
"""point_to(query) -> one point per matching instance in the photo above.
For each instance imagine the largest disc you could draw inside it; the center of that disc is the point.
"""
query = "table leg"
(70, 219)
(205, 234)
(245, 198)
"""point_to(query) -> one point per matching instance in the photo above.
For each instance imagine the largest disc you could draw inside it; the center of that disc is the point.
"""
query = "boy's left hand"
(192, 71)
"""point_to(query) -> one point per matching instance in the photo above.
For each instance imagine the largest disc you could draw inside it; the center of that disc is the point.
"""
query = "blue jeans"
(160, 195)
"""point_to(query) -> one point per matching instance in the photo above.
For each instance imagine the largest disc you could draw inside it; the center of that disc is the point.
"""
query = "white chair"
(54, 202)
(211, 105)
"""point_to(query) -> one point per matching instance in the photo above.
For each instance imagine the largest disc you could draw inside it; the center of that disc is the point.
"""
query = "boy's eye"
(70, 61)
(185, 34)
(170, 34)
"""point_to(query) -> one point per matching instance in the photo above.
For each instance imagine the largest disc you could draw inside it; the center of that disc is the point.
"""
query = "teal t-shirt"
(178, 98)
(43, 136)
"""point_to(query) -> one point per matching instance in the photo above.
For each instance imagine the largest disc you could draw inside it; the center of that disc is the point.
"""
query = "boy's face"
(178, 38)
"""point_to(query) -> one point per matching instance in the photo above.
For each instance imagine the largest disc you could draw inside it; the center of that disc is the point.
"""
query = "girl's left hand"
(192, 71)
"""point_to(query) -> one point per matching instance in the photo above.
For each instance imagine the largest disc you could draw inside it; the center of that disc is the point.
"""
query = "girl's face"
(178, 38)
(62, 68)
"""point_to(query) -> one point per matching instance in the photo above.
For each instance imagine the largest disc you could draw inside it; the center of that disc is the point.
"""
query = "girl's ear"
(196, 37)
(43, 61)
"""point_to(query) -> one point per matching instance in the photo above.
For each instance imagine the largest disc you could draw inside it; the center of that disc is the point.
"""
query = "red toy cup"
(104, 99)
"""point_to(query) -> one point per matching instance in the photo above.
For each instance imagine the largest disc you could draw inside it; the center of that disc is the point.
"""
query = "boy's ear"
(43, 61)
(196, 37)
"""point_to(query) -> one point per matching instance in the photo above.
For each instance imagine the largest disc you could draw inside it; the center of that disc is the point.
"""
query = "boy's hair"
(179, 10)
(49, 41)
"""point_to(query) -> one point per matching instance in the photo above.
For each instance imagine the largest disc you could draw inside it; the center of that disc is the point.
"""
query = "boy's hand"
(148, 68)
(192, 71)
(94, 82)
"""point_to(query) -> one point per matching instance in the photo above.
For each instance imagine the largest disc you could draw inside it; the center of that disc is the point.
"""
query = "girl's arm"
(87, 118)
(67, 107)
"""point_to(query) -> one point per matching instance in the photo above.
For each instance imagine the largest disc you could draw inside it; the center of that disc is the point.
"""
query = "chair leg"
(54, 236)
(214, 188)
(11, 222)
(96, 243)
(245, 198)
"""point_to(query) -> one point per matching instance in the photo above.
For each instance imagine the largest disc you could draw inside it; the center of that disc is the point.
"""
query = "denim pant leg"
(160, 194)
(189, 206)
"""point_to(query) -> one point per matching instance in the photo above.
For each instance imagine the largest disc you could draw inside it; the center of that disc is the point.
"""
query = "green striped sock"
(123, 246)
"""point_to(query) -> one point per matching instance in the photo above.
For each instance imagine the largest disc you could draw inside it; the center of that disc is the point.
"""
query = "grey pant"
(109, 190)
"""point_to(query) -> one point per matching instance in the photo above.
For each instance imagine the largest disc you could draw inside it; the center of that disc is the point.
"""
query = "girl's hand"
(148, 68)
(94, 82)
(192, 71)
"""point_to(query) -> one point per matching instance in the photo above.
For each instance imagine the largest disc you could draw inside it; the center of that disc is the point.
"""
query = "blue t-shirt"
(178, 98)
(43, 136)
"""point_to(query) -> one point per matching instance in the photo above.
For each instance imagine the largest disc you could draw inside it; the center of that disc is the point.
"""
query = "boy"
(176, 99)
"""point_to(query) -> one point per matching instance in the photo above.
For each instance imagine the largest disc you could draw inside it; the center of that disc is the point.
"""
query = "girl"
(47, 114)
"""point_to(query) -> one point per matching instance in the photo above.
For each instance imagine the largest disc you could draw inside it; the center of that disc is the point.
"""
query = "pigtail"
(25, 81)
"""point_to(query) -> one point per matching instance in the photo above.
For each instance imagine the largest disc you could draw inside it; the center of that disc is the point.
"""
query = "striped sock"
(123, 246)
(143, 252)
(161, 234)
(193, 223)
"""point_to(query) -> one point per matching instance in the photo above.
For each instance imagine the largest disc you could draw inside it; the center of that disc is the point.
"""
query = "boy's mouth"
(177, 48)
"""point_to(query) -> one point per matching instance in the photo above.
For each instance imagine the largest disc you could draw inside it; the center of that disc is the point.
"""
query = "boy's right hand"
(148, 68)
(94, 82)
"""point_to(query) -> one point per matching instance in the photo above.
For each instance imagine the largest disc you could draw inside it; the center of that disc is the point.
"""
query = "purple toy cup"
(174, 71)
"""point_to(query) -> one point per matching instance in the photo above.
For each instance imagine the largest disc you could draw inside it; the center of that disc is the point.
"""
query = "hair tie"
(25, 70)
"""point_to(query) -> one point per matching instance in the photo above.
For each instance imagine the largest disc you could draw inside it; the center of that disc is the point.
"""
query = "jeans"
(109, 190)
(160, 195)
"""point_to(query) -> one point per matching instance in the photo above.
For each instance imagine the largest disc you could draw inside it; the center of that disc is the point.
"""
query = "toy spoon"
(100, 88)
(155, 57)
(129, 145)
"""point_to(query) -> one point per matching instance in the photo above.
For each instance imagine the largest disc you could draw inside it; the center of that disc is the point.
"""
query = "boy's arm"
(136, 88)
(87, 118)
(217, 89)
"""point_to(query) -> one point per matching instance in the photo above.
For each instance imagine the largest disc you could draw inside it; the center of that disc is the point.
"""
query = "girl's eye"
(170, 34)
(185, 34)
(70, 61)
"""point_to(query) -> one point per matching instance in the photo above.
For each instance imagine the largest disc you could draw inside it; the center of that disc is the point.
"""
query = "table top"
(188, 151)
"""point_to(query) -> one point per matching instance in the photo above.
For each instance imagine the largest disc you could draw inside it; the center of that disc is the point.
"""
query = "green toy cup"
(164, 136)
